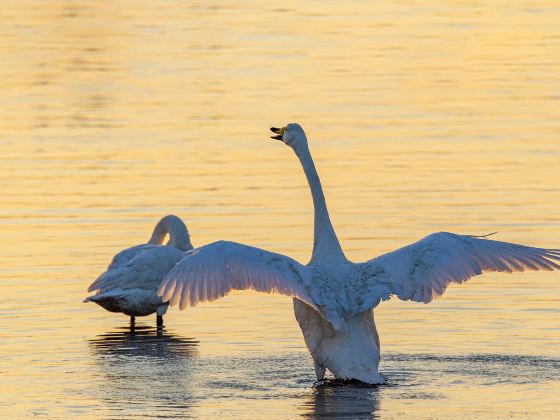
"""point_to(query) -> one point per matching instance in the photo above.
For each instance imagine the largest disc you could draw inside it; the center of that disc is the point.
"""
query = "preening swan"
(129, 285)
(334, 297)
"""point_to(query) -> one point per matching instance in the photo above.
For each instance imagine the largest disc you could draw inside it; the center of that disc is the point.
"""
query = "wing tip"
(161, 288)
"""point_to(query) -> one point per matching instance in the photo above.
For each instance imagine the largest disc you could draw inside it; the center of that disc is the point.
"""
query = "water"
(421, 117)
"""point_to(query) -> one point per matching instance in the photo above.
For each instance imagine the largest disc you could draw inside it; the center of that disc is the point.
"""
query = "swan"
(333, 297)
(130, 283)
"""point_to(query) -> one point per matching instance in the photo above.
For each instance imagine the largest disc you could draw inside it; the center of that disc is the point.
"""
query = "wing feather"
(212, 271)
(423, 270)
(142, 267)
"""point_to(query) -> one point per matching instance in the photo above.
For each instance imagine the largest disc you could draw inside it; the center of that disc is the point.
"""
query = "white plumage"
(212, 271)
(334, 297)
(423, 270)
(129, 285)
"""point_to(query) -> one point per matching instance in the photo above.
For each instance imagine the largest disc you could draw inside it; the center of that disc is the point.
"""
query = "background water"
(422, 117)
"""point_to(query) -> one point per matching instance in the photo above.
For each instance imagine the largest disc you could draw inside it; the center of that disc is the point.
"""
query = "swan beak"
(279, 131)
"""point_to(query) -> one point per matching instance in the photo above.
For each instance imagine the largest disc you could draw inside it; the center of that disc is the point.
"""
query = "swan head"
(292, 134)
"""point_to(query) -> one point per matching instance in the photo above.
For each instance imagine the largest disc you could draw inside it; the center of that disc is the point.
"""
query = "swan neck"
(326, 247)
(178, 233)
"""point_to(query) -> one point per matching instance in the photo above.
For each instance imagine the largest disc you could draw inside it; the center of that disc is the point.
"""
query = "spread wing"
(423, 270)
(142, 266)
(212, 271)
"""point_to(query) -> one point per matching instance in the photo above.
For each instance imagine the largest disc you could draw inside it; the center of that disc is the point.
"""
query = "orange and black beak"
(279, 131)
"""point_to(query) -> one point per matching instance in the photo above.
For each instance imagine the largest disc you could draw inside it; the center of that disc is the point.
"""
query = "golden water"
(421, 117)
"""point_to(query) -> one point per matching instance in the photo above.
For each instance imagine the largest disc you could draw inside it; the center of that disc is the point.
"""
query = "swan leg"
(351, 353)
(159, 321)
(132, 321)
(319, 371)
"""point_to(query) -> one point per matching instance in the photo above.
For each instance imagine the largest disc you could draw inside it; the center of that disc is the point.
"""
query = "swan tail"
(112, 301)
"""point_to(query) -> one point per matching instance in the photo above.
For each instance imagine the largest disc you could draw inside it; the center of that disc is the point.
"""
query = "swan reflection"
(143, 341)
(144, 367)
(338, 399)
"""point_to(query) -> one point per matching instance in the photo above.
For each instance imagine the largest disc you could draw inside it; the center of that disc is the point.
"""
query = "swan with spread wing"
(334, 297)
(130, 282)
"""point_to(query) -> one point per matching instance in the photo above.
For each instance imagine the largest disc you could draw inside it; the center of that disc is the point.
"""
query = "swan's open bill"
(129, 285)
(279, 131)
(334, 297)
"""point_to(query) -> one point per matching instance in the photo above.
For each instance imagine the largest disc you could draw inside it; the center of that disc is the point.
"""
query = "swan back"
(178, 234)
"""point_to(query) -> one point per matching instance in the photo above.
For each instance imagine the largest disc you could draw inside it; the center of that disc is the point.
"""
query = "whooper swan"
(129, 285)
(334, 297)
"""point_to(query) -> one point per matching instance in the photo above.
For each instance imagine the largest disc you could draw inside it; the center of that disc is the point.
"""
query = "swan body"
(350, 352)
(334, 297)
(130, 283)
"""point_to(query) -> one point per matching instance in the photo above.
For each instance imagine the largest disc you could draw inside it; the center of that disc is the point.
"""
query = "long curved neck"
(178, 233)
(326, 248)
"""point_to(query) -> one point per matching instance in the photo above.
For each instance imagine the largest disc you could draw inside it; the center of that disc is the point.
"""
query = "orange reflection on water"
(421, 117)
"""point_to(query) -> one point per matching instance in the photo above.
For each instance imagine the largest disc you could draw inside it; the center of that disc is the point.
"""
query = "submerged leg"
(159, 321)
(132, 320)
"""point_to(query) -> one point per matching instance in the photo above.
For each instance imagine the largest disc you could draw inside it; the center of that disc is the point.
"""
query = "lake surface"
(421, 117)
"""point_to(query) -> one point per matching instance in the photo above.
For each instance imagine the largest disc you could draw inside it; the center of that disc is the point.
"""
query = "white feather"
(212, 271)
(423, 270)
